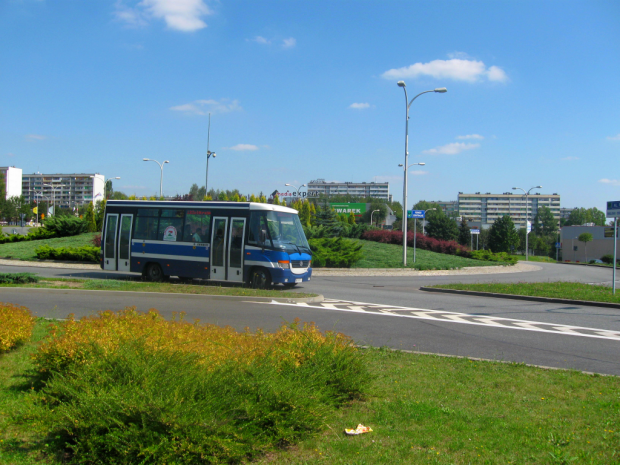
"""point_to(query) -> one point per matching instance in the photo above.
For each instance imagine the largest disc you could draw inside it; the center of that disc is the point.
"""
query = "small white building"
(12, 180)
(576, 251)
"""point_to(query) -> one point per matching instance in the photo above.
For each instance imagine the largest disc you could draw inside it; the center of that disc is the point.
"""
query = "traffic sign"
(529, 226)
(558, 245)
(613, 209)
(474, 231)
(415, 214)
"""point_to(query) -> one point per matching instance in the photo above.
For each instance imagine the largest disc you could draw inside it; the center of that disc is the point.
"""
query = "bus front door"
(218, 249)
(124, 243)
(109, 246)
(235, 249)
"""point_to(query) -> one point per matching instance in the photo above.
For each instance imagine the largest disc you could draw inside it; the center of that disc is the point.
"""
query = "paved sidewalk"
(520, 267)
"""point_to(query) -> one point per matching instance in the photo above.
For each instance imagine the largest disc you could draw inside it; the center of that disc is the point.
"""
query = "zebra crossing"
(456, 317)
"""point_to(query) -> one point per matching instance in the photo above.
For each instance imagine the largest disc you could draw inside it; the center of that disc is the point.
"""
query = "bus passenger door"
(109, 246)
(235, 249)
(218, 249)
(124, 243)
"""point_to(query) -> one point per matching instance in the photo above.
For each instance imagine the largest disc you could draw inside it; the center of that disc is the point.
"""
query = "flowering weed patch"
(16, 325)
(131, 387)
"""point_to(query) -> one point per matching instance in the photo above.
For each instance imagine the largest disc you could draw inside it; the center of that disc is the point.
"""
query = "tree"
(503, 235)
(585, 238)
(464, 237)
(351, 218)
(377, 217)
(89, 217)
(440, 226)
(580, 216)
(544, 222)
(99, 212)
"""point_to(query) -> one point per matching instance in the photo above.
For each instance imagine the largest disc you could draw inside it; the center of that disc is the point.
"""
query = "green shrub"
(85, 253)
(18, 278)
(63, 226)
(335, 252)
(142, 391)
(608, 258)
(493, 257)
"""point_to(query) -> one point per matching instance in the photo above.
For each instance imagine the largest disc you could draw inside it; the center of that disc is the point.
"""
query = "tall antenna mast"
(209, 154)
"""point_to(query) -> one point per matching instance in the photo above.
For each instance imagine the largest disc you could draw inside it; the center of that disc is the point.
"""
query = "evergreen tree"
(503, 235)
(464, 237)
(222, 196)
(99, 214)
(351, 218)
(235, 198)
(89, 217)
(312, 215)
(263, 199)
(441, 227)
(253, 198)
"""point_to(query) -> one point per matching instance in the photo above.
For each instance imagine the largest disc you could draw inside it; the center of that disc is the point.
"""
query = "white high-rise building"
(12, 181)
(64, 190)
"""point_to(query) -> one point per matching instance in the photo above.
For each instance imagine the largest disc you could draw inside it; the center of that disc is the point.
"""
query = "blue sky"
(305, 90)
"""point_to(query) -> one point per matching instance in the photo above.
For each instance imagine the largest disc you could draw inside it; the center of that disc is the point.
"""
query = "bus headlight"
(284, 264)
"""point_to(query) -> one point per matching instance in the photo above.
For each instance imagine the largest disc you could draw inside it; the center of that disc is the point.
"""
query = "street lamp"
(161, 179)
(527, 209)
(53, 196)
(287, 184)
(408, 103)
(415, 223)
(371, 213)
(424, 220)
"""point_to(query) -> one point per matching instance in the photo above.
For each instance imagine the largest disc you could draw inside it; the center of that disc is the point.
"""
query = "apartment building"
(450, 208)
(378, 190)
(64, 190)
(486, 208)
(12, 181)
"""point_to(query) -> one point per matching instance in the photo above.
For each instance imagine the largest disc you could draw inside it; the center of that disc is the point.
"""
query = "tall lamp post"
(424, 220)
(415, 223)
(161, 179)
(303, 185)
(209, 155)
(408, 103)
(53, 196)
(371, 213)
(527, 216)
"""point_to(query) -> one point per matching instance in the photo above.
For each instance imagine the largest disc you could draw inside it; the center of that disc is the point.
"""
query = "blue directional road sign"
(558, 245)
(415, 214)
(613, 209)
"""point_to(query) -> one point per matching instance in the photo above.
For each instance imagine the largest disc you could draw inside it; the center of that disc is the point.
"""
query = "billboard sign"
(358, 209)
(613, 209)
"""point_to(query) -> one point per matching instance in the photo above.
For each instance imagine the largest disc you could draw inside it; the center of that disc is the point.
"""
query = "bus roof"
(207, 204)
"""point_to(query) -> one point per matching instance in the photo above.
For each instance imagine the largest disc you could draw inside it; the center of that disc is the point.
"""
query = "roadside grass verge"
(25, 250)
(422, 409)
(561, 290)
(173, 287)
(379, 255)
(535, 258)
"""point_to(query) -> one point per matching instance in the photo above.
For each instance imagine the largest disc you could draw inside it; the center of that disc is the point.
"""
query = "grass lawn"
(174, 287)
(25, 250)
(561, 290)
(422, 409)
(378, 255)
(534, 258)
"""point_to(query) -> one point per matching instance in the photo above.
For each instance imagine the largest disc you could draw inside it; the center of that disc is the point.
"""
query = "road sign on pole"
(474, 231)
(415, 214)
(613, 209)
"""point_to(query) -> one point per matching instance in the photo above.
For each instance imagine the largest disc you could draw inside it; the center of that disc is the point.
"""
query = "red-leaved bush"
(422, 242)
(97, 240)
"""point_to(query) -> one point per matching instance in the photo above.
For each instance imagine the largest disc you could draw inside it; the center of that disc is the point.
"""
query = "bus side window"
(197, 224)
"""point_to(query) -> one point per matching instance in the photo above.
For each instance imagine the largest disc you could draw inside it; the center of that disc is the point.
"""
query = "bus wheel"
(260, 279)
(153, 273)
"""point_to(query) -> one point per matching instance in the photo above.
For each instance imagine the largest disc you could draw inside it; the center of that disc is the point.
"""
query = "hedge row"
(79, 254)
(422, 242)
(16, 325)
(335, 252)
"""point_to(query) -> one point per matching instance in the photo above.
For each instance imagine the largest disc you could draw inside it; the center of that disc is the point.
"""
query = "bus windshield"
(286, 232)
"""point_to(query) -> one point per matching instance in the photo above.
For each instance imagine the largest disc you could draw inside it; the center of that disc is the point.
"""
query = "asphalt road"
(392, 311)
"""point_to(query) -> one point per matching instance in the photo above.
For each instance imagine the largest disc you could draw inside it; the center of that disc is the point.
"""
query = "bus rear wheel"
(153, 273)
(260, 278)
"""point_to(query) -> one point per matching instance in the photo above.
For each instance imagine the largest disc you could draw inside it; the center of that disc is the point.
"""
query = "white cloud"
(180, 15)
(613, 182)
(289, 43)
(261, 40)
(455, 69)
(471, 136)
(459, 55)
(242, 147)
(202, 107)
(359, 106)
(452, 149)
(35, 137)
(614, 137)
(570, 158)
(418, 173)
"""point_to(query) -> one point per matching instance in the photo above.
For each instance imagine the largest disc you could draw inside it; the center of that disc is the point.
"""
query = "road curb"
(523, 297)
(239, 298)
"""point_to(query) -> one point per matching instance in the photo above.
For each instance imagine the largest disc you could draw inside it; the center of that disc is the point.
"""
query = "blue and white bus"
(242, 242)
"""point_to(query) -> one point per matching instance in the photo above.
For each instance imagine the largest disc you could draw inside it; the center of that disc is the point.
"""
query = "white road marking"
(457, 317)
